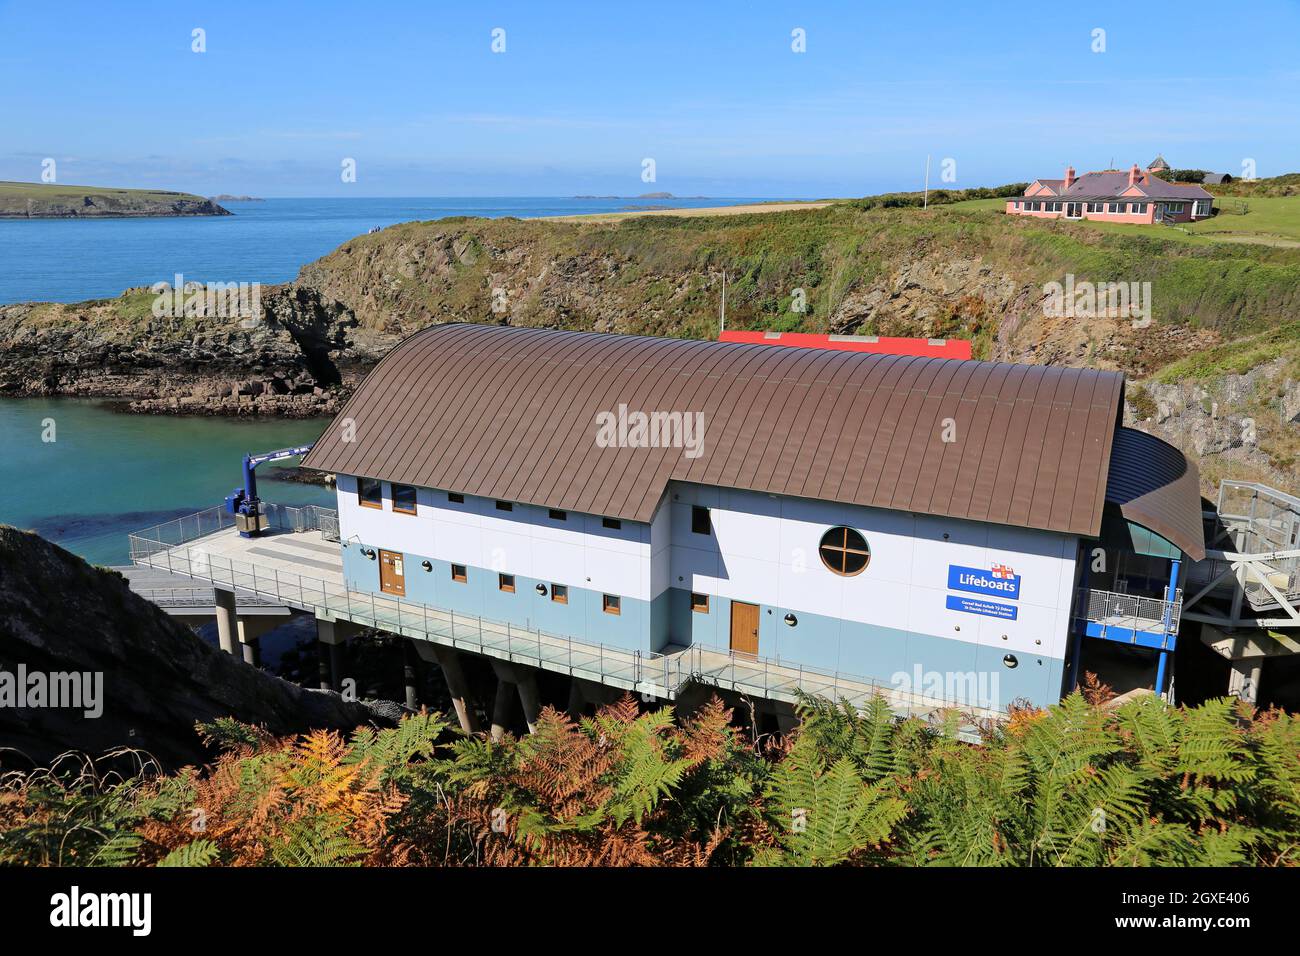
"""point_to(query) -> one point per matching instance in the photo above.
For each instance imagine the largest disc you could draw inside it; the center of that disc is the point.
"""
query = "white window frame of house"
(1112, 208)
(1200, 208)
(1138, 207)
(1056, 207)
(1174, 207)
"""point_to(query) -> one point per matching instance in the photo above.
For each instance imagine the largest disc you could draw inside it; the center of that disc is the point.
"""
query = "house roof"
(1158, 163)
(1112, 184)
(510, 413)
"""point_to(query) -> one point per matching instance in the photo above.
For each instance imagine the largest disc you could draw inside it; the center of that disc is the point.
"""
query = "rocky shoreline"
(317, 336)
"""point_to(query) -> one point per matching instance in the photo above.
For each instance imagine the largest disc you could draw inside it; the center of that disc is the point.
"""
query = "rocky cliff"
(1219, 346)
(53, 201)
(61, 616)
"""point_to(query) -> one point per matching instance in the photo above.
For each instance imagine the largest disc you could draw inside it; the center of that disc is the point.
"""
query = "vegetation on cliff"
(56, 201)
(1076, 785)
(877, 266)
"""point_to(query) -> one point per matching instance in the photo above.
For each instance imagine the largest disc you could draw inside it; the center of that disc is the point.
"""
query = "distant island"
(52, 201)
(643, 196)
(226, 197)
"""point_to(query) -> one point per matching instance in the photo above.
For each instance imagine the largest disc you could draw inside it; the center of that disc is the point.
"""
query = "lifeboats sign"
(999, 581)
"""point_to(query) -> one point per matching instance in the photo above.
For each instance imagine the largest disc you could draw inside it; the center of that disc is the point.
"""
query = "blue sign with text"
(1001, 581)
(987, 608)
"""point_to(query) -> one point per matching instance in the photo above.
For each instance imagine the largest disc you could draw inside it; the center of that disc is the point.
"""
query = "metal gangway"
(1252, 560)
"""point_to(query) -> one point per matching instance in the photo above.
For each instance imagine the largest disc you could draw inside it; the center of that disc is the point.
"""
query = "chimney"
(1133, 175)
(1069, 178)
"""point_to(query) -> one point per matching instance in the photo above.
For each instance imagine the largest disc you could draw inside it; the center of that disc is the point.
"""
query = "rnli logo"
(1000, 580)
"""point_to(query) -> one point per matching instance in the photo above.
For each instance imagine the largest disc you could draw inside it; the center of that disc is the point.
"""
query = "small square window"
(611, 604)
(506, 582)
(613, 523)
(505, 506)
(404, 499)
(455, 497)
(700, 603)
(700, 520)
(458, 573)
(560, 593)
(370, 492)
(558, 515)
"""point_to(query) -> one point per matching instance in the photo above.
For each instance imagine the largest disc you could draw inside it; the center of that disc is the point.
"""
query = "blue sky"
(583, 93)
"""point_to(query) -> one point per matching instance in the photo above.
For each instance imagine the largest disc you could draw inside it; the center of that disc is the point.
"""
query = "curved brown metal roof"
(1155, 486)
(510, 413)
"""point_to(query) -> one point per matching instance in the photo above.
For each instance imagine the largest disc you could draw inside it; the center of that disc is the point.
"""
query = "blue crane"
(243, 502)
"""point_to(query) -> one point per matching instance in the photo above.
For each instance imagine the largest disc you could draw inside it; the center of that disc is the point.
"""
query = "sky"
(583, 94)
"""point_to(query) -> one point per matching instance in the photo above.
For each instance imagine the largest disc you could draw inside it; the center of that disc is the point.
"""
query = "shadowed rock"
(59, 614)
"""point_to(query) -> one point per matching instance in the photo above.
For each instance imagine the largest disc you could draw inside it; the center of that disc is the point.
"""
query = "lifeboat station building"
(906, 522)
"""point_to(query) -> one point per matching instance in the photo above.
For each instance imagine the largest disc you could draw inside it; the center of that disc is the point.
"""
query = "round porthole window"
(844, 551)
(1010, 660)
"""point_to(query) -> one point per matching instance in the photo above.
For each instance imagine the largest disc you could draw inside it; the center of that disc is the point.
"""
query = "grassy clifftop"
(1218, 360)
(54, 201)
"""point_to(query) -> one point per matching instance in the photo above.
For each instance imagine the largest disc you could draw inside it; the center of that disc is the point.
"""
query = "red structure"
(930, 348)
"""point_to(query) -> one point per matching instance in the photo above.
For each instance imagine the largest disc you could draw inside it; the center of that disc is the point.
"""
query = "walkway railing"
(1130, 610)
(659, 674)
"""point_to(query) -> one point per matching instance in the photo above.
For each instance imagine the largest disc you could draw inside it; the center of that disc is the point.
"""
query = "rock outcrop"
(61, 616)
(53, 201)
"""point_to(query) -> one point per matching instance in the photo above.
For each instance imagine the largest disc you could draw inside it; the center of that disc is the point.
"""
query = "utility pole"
(926, 203)
(722, 322)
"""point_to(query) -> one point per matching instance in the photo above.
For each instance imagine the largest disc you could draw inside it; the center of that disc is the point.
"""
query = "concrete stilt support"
(226, 623)
(331, 642)
(524, 678)
(1243, 679)
(448, 658)
(527, 685)
(410, 672)
(786, 719)
(501, 709)
(577, 701)
(250, 631)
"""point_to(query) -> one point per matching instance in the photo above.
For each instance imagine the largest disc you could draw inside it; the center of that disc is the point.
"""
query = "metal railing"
(1130, 610)
(179, 531)
(658, 674)
(199, 596)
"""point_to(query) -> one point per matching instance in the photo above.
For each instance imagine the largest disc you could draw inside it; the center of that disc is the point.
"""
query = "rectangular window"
(700, 520)
(505, 506)
(404, 499)
(610, 603)
(370, 492)
(558, 515)
(560, 593)
(506, 582)
(700, 603)
(455, 497)
(613, 523)
(458, 573)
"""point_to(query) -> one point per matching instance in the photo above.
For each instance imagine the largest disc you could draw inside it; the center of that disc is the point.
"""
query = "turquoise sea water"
(107, 474)
(70, 260)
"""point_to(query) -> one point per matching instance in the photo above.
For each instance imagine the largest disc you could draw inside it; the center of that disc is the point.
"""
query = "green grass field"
(1268, 220)
(27, 191)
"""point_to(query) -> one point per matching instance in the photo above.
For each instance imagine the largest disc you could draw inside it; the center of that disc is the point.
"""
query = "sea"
(85, 475)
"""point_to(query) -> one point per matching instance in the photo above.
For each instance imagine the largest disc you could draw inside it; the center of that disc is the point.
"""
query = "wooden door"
(744, 627)
(392, 574)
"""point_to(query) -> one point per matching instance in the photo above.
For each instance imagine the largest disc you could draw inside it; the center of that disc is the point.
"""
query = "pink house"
(1113, 195)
